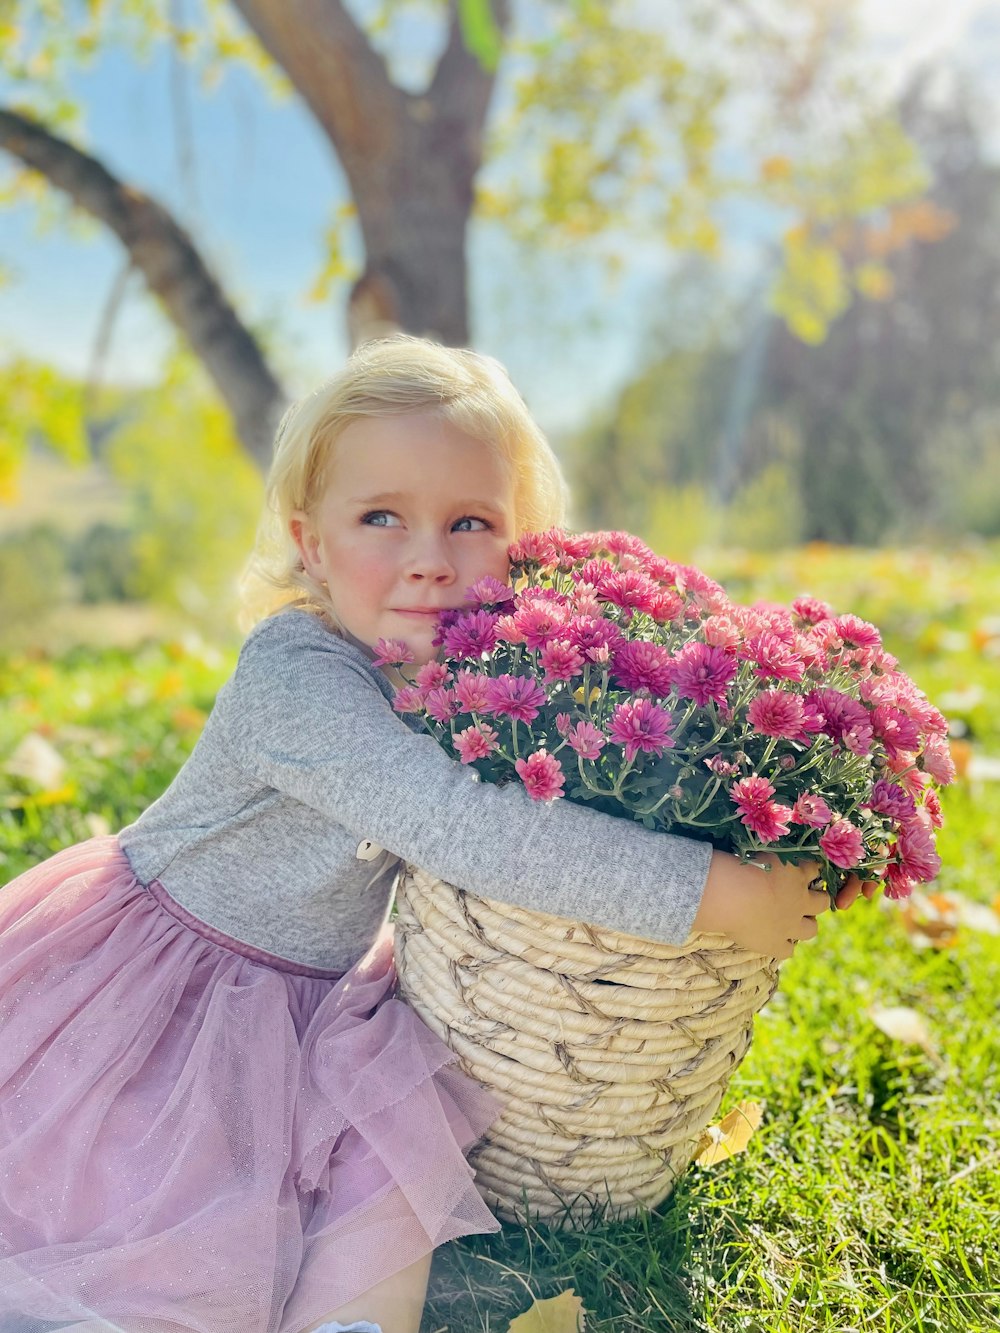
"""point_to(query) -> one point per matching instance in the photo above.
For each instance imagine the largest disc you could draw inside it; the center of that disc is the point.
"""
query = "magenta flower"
(585, 739)
(937, 760)
(845, 721)
(431, 675)
(539, 621)
(857, 633)
(629, 590)
(768, 819)
(889, 798)
(475, 743)
(750, 793)
(898, 884)
(515, 696)
(777, 713)
(623, 543)
(701, 673)
(842, 844)
(534, 548)
(811, 810)
(932, 804)
(721, 767)
(644, 666)
(772, 656)
(588, 632)
(489, 591)
(472, 691)
(917, 855)
(641, 725)
(408, 699)
(897, 732)
(471, 635)
(811, 610)
(542, 775)
(391, 652)
(441, 704)
(560, 660)
(721, 632)
(666, 605)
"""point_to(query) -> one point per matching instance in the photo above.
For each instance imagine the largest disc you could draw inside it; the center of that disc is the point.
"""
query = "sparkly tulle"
(196, 1136)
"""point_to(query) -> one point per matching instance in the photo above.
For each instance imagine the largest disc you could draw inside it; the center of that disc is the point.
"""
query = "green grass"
(869, 1201)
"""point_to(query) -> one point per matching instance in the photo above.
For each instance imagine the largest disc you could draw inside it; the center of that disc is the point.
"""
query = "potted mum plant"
(608, 675)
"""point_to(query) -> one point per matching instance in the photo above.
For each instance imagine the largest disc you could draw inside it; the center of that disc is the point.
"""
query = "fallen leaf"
(730, 1136)
(38, 762)
(562, 1314)
(905, 1025)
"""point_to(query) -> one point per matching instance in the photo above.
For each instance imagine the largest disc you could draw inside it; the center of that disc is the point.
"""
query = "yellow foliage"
(812, 290)
(874, 281)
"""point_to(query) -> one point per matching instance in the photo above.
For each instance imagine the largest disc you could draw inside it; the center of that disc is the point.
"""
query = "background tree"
(888, 429)
(605, 130)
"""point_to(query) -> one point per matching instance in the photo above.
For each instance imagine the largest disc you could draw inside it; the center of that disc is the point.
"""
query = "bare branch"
(174, 270)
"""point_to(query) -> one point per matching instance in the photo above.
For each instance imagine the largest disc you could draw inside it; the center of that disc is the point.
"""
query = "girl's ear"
(305, 538)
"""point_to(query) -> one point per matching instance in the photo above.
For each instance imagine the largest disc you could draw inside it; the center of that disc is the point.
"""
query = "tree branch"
(174, 270)
(333, 66)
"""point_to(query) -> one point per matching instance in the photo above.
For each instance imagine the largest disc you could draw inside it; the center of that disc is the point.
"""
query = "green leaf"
(480, 32)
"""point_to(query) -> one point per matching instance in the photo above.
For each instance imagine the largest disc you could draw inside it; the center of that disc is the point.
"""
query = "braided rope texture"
(611, 1054)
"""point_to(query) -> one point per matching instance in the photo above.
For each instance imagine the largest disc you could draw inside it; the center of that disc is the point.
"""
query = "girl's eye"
(375, 514)
(486, 526)
(380, 518)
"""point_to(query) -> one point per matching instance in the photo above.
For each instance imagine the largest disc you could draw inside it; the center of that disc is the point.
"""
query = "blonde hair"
(392, 377)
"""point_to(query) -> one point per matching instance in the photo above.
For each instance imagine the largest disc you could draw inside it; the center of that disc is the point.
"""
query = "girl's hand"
(765, 910)
(853, 889)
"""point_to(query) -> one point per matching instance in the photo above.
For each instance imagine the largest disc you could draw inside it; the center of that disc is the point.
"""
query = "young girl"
(214, 1116)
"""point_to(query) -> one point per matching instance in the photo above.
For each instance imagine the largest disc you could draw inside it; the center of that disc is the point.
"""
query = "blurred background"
(741, 257)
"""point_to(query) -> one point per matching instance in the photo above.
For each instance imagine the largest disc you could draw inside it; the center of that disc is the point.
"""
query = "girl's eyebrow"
(394, 497)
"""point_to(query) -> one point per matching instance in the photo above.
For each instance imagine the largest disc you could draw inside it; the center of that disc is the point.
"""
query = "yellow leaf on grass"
(730, 1136)
(905, 1025)
(562, 1314)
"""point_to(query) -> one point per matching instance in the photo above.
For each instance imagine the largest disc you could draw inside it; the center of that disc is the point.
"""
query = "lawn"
(869, 1200)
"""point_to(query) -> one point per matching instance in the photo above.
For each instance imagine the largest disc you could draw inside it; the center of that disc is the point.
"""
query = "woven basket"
(610, 1053)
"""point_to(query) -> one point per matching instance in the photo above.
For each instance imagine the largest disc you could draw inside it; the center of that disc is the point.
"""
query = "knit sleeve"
(305, 715)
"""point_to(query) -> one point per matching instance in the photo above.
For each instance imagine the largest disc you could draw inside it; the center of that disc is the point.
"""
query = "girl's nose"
(430, 560)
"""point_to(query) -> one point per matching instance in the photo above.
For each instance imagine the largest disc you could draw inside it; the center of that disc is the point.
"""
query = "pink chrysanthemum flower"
(563, 723)
(641, 725)
(408, 699)
(845, 721)
(917, 855)
(721, 767)
(507, 630)
(932, 804)
(750, 793)
(473, 634)
(702, 672)
(772, 656)
(587, 632)
(769, 822)
(560, 660)
(857, 633)
(441, 704)
(489, 591)
(810, 610)
(534, 548)
(842, 844)
(644, 666)
(811, 810)
(584, 600)
(890, 799)
(586, 740)
(539, 621)
(898, 884)
(542, 775)
(777, 713)
(391, 652)
(937, 760)
(897, 732)
(431, 675)
(666, 605)
(475, 743)
(710, 596)
(515, 696)
(623, 543)
(721, 632)
(471, 691)
(632, 591)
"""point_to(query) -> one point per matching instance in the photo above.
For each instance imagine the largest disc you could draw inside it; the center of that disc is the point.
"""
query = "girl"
(214, 1116)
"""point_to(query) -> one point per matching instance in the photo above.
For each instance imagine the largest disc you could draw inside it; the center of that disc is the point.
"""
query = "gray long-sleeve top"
(303, 765)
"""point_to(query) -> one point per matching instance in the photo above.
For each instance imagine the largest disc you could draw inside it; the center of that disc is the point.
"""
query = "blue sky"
(263, 186)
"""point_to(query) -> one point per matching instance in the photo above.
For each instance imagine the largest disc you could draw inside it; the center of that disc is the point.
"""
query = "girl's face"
(414, 512)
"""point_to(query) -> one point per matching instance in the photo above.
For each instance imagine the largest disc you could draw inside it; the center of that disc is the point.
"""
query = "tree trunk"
(173, 269)
(411, 159)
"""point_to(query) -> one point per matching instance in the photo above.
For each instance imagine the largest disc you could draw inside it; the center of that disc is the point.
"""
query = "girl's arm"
(304, 714)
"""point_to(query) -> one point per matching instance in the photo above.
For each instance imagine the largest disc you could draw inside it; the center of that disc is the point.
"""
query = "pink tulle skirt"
(196, 1135)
